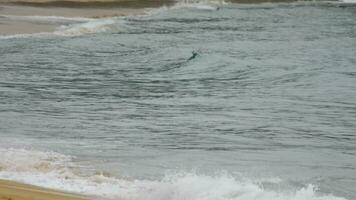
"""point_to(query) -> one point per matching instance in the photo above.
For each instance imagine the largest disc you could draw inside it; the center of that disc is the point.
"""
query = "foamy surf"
(94, 26)
(200, 5)
(207, 5)
(58, 171)
(67, 26)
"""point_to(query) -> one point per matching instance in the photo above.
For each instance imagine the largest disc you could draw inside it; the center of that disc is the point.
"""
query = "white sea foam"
(57, 171)
(200, 4)
(208, 5)
(94, 26)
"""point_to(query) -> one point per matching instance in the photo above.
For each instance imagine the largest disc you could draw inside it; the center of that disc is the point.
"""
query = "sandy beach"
(10, 190)
(13, 14)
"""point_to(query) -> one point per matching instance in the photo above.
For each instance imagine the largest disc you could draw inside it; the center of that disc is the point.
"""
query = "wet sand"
(17, 191)
(10, 27)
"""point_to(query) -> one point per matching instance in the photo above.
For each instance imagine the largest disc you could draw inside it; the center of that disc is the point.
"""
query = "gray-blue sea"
(199, 101)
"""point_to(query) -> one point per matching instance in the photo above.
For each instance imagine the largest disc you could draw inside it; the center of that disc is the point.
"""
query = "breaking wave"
(58, 171)
(94, 26)
(208, 5)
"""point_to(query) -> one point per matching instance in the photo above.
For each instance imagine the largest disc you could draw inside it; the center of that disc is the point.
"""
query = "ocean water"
(199, 101)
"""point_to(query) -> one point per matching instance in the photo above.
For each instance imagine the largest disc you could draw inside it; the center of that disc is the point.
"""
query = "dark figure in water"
(193, 56)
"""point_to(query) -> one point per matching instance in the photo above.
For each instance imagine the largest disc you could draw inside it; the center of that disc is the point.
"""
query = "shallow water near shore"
(198, 101)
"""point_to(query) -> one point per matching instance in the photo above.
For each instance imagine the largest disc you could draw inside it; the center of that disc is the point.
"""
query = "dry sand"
(16, 191)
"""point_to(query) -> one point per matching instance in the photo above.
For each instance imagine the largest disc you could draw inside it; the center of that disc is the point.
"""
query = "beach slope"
(10, 190)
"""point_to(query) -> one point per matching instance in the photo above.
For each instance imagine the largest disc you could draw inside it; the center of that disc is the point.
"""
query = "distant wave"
(58, 171)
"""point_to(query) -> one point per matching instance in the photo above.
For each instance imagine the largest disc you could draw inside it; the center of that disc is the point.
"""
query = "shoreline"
(19, 191)
(14, 15)
(107, 4)
(17, 19)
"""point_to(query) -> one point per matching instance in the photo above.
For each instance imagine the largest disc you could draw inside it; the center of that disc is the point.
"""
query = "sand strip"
(10, 190)
(66, 8)
(17, 10)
